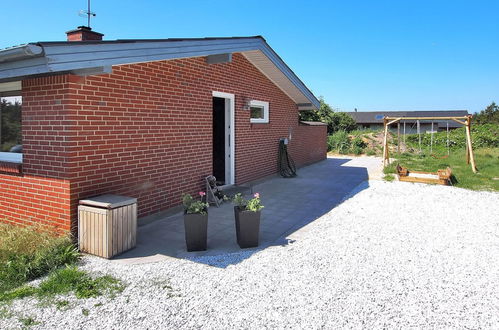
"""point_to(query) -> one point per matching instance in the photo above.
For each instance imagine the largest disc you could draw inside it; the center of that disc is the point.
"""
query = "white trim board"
(10, 86)
(232, 111)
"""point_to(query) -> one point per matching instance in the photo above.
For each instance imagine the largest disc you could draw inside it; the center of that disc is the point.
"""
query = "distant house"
(374, 120)
(146, 118)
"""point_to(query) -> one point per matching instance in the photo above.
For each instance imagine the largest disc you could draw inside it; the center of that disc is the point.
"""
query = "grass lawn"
(486, 159)
(27, 253)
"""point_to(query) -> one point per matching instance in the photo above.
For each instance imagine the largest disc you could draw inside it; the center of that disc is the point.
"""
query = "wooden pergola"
(464, 120)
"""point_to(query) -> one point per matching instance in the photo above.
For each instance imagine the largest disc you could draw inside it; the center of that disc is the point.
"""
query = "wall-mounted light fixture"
(246, 103)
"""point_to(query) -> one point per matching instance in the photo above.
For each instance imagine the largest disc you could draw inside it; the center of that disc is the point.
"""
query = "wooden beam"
(393, 121)
(470, 145)
(424, 180)
(459, 122)
(426, 118)
(404, 136)
(398, 138)
(419, 135)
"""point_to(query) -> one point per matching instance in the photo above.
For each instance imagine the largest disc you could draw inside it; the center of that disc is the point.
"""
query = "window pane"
(10, 125)
(256, 112)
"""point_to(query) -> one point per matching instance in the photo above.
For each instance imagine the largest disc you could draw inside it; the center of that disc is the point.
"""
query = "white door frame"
(229, 152)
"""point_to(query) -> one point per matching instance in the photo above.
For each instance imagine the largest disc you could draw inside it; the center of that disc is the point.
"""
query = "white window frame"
(265, 106)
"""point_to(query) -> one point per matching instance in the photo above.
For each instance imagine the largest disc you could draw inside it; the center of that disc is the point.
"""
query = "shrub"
(482, 136)
(336, 121)
(358, 145)
(338, 142)
(341, 142)
(27, 253)
(341, 121)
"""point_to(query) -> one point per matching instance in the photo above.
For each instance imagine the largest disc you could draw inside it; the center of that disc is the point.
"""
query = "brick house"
(146, 118)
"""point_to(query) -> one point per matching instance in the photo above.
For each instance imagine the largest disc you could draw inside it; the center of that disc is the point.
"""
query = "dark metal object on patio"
(287, 167)
(213, 192)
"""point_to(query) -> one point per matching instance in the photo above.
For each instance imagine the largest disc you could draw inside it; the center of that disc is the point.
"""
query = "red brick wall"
(41, 193)
(308, 144)
(146, 130)
(28, 200)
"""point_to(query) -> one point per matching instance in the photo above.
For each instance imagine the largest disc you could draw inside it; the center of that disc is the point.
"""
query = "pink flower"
(256, 195)
(202, 193)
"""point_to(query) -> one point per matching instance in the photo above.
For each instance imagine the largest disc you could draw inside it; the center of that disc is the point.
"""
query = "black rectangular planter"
(196, 229)
(247, 227)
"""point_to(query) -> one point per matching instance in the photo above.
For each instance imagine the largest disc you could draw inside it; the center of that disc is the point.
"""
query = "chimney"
(83, 33)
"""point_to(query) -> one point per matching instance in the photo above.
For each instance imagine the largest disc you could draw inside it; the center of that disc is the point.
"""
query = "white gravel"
(395, 255)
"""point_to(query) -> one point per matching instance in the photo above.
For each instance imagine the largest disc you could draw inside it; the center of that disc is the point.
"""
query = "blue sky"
(369, 55)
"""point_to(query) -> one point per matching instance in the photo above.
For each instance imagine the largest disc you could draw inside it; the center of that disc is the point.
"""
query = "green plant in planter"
(253, 204)
(193, 206)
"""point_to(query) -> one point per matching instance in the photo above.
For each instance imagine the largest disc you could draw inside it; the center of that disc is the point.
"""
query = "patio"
(290, 204)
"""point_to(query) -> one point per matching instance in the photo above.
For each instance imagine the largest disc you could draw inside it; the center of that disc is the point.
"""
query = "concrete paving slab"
(290, 204)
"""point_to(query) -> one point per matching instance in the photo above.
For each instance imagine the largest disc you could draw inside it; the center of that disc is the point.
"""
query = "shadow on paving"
(290, 204)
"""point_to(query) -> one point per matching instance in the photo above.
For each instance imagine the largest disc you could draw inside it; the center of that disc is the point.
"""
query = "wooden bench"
(442, 177)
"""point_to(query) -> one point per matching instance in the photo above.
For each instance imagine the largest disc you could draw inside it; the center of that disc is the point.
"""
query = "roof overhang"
(12, 88)
(94, 57)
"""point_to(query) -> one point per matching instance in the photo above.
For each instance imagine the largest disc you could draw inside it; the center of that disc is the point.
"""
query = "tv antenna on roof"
(87, 13)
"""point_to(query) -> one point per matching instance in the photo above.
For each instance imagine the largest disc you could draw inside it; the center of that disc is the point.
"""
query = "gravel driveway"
(394, 255)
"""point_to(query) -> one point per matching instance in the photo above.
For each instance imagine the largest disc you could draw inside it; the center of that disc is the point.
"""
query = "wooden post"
(404, 135)
(467, 151)
(419, 134)
(398, 138)
(431, 143)
(470, 145)
(386, 159)
(448, 145)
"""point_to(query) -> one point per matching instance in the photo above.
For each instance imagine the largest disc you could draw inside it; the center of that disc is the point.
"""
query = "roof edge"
(57, 60)
(20, 52)
(274, 57)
